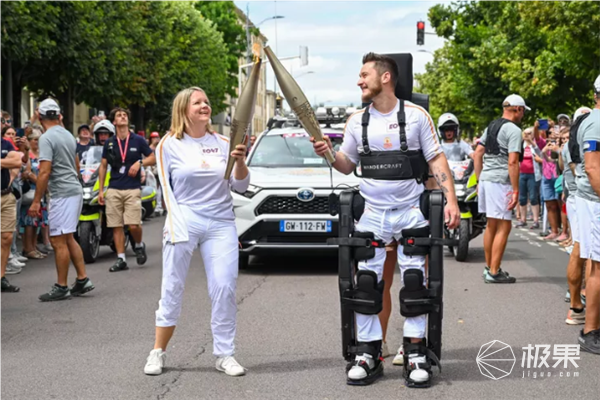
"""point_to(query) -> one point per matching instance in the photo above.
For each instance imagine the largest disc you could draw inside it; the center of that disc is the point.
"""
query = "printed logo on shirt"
(387, 143)
(393, 128)
(204, 165)
(213, 150)
(133, 149)
(4, 151)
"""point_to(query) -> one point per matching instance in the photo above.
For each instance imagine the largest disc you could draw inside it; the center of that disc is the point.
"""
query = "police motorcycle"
(472, 223)
(359, 290)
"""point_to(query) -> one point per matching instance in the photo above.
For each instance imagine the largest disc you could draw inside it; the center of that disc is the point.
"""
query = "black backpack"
(573, 144)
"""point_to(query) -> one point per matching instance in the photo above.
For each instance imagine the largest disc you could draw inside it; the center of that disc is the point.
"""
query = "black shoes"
(140, 254)
(120, 265)
(7, 287)
(81, 287)
(56, 293)
(590, 342)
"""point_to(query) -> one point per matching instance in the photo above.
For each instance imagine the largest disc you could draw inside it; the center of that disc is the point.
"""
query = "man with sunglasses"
(6, 119)
(497, 169)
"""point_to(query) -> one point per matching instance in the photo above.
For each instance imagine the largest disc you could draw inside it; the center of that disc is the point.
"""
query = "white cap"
(105, 124)
(515, 100)
(580, 111)
(597, 84)
(49, 106)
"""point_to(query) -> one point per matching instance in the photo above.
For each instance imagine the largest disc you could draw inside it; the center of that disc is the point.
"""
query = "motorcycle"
(92, 231)
(149, 195)
(472, 223)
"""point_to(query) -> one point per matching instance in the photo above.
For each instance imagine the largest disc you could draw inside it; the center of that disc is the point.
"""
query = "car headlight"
(460, 193)
(251, 191)
(459, 186)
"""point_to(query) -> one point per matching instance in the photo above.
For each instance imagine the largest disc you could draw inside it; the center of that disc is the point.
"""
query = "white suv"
(286, 207)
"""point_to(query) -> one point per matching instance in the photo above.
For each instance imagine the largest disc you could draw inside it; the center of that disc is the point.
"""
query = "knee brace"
(366, 297)
(415, 298)
(416, 241)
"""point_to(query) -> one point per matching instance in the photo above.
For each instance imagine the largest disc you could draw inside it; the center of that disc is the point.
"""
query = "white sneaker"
(399, 357)
(12, 269)
(155, 362)
(15, 263)
(230, 366)
(20, 258)
(358, 373)
(418, 374)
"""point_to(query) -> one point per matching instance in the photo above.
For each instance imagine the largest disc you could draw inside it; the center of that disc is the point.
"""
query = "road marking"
(553, 244)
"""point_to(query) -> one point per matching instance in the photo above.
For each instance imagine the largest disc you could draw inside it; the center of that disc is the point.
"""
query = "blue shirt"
(7, 147)
(82, 148)
(119, 178)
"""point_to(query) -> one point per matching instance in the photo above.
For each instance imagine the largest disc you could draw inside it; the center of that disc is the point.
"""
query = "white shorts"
(588, 217)
(63, 215)
(494, 199)
(572, 216)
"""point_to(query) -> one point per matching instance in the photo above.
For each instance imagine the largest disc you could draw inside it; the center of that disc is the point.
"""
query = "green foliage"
(106, 53)
(548, 52)
(222, 14)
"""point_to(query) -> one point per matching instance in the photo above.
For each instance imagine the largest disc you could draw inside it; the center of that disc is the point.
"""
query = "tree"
(548, 52)
(223, 15)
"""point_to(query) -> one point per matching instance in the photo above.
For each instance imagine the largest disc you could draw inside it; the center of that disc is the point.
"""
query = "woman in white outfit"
(191, 162)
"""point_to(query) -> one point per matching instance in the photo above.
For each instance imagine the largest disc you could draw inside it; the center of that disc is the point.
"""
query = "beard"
(373, 91)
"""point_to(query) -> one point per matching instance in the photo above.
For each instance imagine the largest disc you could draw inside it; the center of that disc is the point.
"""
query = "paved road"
(288, 333)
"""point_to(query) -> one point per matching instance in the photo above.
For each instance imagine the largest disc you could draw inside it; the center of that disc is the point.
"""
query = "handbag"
(27, 198)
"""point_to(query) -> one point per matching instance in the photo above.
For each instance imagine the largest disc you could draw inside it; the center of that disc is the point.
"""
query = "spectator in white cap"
(497, 168)
(587, 204)
(58, 173)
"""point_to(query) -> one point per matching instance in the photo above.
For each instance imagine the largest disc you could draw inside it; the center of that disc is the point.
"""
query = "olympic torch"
(243, 114)
(297, 101)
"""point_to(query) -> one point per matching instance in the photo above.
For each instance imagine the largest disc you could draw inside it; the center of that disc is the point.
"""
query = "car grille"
(291, 205)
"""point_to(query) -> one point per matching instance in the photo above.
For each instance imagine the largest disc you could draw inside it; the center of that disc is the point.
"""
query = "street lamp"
(266, 19)
(425, 51)
(304, 73)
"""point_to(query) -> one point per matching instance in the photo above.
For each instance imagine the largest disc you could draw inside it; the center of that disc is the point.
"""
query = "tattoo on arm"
(441, 178)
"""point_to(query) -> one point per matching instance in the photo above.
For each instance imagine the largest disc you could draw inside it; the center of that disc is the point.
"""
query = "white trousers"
(218, 244)
(387, 224)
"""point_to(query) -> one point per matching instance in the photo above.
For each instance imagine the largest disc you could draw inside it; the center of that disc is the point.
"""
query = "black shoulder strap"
(573, 143)
(365, 125)
(402, 123)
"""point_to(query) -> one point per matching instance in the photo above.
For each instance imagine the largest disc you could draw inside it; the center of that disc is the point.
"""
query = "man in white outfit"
(390, 205)
(191, 162)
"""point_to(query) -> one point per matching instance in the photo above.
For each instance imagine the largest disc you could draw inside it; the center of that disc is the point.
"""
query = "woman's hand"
(239, 153)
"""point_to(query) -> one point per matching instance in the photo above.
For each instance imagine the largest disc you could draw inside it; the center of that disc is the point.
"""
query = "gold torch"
(243, 113)
(297, 101)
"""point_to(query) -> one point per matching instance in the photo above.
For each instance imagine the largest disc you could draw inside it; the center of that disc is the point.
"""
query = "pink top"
(527, 163)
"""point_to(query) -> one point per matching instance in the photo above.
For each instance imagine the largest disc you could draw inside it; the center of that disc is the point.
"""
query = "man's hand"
(34, 210)
(322, 147)
(101, 198)
(452, 215)
(514, 199)
(134, 169)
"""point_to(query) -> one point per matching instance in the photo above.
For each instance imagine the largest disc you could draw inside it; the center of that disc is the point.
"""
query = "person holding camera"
(123, 152)
(550, 153)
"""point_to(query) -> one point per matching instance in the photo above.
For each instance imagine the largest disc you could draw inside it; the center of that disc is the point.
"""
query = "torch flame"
(256, 51)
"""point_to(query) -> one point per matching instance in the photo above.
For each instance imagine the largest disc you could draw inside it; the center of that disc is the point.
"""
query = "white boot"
(358, 373)
(399, 357)
(418, 362)
(230, 366)
(155, 362)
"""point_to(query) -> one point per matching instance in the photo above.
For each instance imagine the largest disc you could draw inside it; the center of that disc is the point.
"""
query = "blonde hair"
(35, 134)
(527, 130)
(179, 118)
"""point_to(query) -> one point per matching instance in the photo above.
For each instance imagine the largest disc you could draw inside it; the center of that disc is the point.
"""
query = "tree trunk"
(67, 108)
(137, 117)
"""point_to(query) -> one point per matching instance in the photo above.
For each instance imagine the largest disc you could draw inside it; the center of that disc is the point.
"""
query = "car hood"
(298, 177)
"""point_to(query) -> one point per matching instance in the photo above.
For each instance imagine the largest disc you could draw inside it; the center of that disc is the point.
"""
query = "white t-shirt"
(196, 168)
(384, 134)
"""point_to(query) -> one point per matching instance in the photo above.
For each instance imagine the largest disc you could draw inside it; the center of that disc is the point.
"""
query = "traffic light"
(420, 33)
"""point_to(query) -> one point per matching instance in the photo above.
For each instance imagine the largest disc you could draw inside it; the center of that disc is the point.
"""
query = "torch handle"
(329, 156)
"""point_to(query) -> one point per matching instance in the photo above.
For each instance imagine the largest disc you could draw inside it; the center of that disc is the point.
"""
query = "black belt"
(6, 191)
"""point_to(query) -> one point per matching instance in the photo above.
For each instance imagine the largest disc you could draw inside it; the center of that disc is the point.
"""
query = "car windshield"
(288, 150)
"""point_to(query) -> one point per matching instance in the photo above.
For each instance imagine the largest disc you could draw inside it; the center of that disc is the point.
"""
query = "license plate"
(304, 226)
